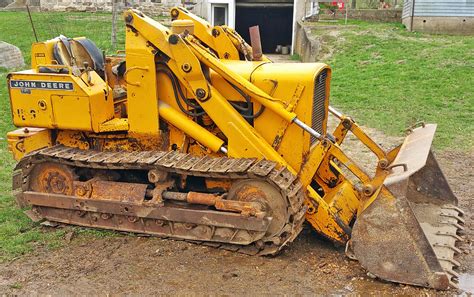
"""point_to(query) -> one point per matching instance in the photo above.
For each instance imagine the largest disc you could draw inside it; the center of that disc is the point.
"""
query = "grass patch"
(16, 286)
(295, 57)
(389, 79)
(18, 234)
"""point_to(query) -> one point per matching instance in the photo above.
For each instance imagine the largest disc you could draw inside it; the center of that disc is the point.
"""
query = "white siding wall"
(434, 8)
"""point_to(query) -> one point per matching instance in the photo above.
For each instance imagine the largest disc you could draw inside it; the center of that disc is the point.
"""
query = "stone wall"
(151, 7)
(4, 3)
(306, 45)
(381, 15)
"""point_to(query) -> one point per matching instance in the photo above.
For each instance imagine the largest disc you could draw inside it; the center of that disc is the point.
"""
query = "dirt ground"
(143, 265)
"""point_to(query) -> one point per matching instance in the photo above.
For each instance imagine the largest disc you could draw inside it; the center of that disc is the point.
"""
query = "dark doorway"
(275, 22)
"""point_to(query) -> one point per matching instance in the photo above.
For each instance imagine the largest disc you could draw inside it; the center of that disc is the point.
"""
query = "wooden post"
(347, 8)
(114, 24)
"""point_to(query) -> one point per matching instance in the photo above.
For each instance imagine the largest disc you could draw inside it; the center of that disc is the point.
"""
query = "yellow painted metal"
(240, 44)
(25, 140)
(269, 102)
(223, 45)
(183, 123)
(182, 26)
(189, 70)
(243, 140)
(202, 28)
(213, 37)
(141, 85)
(72, 139)
(313, 162)
(222, 40)
(42, 53)
(332, 218)
(42, 100)
(113, 125)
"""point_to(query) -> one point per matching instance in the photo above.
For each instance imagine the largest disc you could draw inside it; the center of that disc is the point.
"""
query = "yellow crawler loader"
(188, 136)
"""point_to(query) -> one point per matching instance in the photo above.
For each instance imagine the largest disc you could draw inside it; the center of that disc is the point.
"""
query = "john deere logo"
(42, 85)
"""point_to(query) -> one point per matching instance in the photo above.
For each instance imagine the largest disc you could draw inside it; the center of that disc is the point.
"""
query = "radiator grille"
(319, 104)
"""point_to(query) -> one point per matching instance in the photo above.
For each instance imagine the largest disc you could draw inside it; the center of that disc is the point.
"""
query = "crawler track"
(210, 227)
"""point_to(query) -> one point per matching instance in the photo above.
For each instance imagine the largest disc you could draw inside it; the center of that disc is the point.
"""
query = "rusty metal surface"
(441, 226)
(430, 183)
(53, 178)
(413, 224)
(413, 153)
(132, 192)
(258, 191)
(243, 207)
(256, 43)
(142, 210)
(409, 233)
(189, 223)
(389, 242)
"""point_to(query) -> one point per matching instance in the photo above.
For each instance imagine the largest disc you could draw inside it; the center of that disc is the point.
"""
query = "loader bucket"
(408, 234)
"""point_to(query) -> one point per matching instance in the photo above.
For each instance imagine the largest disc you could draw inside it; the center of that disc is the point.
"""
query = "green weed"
(295, 57)
(389, 79)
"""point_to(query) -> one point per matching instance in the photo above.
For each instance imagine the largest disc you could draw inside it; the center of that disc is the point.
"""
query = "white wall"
(203, 9)
(298, 15)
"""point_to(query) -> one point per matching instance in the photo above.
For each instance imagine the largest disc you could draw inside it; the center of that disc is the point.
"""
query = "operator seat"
(77, 52)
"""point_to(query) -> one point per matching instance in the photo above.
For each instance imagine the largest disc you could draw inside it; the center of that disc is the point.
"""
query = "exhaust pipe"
(256, 43)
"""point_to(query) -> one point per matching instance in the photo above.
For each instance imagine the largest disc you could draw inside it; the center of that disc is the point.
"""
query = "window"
(219, 14)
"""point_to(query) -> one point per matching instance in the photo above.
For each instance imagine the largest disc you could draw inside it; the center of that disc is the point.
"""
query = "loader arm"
(222, 40)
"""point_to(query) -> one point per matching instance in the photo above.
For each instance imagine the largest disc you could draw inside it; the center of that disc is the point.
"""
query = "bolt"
(80, 191)
(105, 216)
(42, 104)
(186, 67)
(201, 94)
(189, 226)
(173, 39)
(128, 18)
(368, 190)
(347, 123)
(174, 13)
(383, 163)
(215, 32)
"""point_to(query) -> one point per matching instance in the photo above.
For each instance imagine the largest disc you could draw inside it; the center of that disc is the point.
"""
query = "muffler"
(408, 234)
